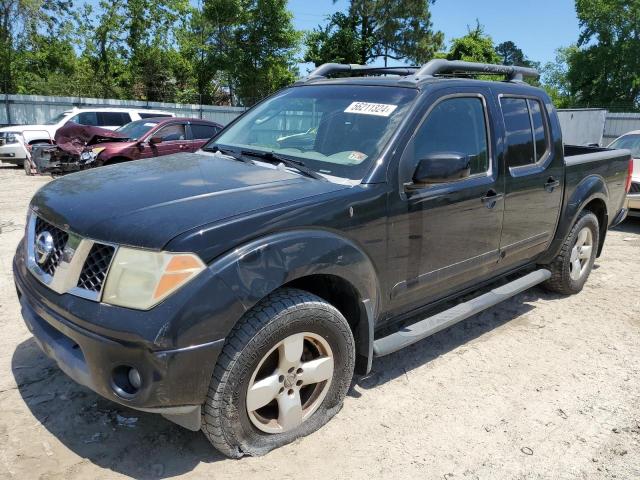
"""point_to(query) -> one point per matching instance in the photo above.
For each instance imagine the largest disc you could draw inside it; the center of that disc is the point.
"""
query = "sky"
(538, 27)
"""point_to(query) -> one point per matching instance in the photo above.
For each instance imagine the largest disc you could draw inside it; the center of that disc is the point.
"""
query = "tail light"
(628, 186)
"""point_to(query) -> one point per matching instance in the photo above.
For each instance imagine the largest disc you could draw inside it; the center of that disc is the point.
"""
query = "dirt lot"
(540, 387)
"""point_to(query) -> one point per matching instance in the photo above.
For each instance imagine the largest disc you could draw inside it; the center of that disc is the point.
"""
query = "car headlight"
(96, 151)
(141, 279)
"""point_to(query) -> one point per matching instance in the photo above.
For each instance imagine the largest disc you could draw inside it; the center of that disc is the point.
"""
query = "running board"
(430, 325)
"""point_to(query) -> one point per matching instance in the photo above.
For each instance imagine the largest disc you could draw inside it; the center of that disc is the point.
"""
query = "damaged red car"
(79, 147)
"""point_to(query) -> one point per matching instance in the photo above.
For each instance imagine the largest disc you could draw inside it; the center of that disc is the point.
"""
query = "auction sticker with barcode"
(365, 108)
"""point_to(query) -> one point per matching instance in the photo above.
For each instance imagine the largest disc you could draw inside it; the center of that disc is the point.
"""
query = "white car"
(13, 139)
(631, 141)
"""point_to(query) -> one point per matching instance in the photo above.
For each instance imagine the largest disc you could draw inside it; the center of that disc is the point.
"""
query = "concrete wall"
(36, 109)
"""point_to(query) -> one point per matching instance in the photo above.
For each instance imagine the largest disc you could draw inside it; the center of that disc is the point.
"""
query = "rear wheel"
(571, 268)
(283, 373)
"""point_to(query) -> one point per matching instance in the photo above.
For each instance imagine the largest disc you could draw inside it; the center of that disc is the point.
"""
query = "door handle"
(551, 184)
(491, 198)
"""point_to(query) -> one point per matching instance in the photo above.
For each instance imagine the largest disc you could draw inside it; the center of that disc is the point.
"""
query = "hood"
(146, 203)
(72, 137)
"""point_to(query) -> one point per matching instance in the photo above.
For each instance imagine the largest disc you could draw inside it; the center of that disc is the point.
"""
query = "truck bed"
(607, 165)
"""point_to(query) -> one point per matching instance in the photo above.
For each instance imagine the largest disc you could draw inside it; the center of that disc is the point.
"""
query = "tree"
(512, 55)
(475, 46)
(338, 41)
(605, 68)
(265, 46)
(400, 30)
(555, 78)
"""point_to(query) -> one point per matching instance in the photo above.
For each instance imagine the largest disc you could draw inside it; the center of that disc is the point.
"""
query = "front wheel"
(571, 268)
(283, 373)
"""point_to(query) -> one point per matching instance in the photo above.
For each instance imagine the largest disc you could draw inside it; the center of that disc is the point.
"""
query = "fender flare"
(590, 188)
(254, 270)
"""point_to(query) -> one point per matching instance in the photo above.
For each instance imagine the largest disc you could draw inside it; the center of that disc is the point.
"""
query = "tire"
(564, 278)
(253, 356)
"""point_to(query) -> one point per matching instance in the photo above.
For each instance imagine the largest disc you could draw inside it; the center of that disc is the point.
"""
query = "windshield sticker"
(365, 108)
(357, 156)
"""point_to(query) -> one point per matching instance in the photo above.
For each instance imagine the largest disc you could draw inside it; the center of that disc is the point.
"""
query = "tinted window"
(113, 119)
(153, 115)
(456, 125)
(539, 131)
(520, 150)
(85, 118)
(172, 132)
(203, 131)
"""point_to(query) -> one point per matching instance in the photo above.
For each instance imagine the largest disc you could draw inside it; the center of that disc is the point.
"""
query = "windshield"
(137, 129)
(58, 118)
(629, 142)
(334, 129)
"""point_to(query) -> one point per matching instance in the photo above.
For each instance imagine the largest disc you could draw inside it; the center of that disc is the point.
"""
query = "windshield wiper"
(273, 157)
(228, 153)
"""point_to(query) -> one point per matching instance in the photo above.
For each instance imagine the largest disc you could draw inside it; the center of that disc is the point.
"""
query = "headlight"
(96, 151)
(141, 279)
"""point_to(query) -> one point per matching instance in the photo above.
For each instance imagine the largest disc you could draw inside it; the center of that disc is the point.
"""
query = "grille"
(95, 267)
(635, 187)
(60, 238)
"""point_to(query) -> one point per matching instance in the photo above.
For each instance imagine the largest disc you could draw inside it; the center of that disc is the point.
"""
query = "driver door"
(174, 140)
(447, 235)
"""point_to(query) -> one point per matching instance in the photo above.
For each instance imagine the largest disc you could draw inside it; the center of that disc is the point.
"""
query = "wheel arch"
(591, 194)
(318, 261)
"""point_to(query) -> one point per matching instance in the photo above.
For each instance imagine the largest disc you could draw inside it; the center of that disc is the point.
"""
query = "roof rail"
(327, 69)
(440, 66)
(431, 69)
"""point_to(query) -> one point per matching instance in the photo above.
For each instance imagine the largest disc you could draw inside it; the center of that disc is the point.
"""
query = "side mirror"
(442, 168)
(155, 140)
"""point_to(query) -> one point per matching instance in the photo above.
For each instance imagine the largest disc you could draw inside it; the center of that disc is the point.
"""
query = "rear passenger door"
(533, 182)
(201, 133)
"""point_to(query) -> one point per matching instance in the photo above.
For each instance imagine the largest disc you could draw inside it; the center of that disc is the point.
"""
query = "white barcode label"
(365, 108)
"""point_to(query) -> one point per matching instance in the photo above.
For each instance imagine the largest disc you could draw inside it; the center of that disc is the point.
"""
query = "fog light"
(134, 378)
(126, 381)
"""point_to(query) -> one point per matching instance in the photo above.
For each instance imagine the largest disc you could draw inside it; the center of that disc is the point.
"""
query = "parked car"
(80, 147)
(13, 139)
(236, 289)
(631, 141)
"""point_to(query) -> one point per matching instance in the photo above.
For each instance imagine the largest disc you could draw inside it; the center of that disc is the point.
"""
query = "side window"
(172, 132)
(539, 130)
(85, 118)
(456, 125)
(527, 138)
(113, 119)
(202, 132)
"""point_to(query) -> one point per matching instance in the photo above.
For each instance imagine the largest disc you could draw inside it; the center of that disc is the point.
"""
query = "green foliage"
(475, 46)
(372, 29)
(337, 41)
(605, 68)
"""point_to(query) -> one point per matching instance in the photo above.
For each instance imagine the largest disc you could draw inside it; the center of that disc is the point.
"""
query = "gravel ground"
(541, 386)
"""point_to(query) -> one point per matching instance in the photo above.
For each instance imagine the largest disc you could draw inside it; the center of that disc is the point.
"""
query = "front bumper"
(174, 382)
(13, 153)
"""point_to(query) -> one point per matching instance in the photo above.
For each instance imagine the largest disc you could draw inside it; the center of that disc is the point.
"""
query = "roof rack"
(327, 69)
(429, 70)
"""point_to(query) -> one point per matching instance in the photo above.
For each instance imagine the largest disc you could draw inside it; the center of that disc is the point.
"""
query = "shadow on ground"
(101, 431)
(152, 447)
(397, 364)
(630, 225)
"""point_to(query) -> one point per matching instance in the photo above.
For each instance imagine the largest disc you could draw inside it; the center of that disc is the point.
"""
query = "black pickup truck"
(236, 289)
